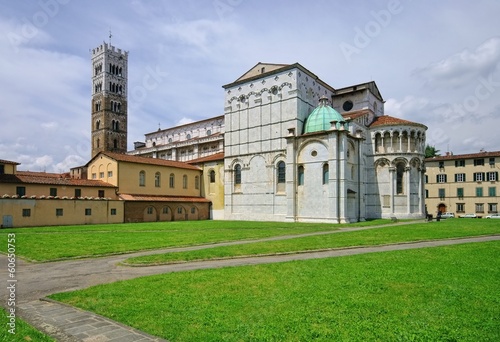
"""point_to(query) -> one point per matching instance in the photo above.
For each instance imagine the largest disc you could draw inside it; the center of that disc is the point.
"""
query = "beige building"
(463, 184)
(153, 189)
(40, 199)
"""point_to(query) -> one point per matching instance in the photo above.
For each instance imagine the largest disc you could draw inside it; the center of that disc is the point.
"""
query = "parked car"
(468, 216)
(447, 215)
(493, 216)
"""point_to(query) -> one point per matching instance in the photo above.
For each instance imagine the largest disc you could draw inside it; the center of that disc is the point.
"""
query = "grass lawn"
(52, 243)
(431, 294)
(371, 237)
(23, 331)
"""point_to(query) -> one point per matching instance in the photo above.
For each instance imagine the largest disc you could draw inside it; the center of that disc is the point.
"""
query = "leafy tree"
(431, 151)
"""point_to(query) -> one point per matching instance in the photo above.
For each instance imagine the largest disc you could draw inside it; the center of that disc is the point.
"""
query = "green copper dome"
(319, 120)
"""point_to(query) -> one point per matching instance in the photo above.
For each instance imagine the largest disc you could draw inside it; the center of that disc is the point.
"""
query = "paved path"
(66, 323)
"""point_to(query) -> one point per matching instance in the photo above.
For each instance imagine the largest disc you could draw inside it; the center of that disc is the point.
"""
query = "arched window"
(212, 176)
(281, 172)
(142, 178)
(171, 181)
(184, 182)
(237, 174)
(300, 175)
(326, 174)
(97, 124)
(115, 143)
(98, 142)
(400, 170)
(157, 179)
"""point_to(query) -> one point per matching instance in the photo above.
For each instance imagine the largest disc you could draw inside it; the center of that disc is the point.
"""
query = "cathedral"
(288, 147)
(293, 148)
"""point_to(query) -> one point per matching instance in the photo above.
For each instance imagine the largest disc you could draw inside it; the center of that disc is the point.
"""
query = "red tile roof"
(356, 114)
(144, 160)
(464, 156)
(387, 120)
(2, 161)
(213, 157)
(44, 178)
(149, 198)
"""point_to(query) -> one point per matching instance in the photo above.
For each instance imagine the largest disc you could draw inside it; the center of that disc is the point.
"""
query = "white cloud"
(463, 67)
(184, 121)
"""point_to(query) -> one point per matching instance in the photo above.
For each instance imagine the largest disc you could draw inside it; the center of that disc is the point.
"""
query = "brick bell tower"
(109, 99)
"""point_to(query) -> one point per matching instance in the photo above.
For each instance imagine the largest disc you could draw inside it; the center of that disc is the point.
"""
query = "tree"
(431, 151)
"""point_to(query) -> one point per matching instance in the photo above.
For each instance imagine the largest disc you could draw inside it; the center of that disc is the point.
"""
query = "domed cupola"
(321, 117)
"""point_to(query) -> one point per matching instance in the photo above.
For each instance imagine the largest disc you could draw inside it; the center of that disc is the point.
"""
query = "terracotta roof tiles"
(464, 156)
(27, 177)
(387, 120)
(144, 160)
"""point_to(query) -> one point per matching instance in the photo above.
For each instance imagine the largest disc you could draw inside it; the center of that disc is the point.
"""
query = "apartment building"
(463, 184)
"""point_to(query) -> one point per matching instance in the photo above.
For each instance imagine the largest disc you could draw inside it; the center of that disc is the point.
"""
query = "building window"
(26, 212)
(150, 210)
(157, 179)
(165, 210)
(193, 210)
(197, 182)
(492, 191)
(400, 170)
(492, 207)
(460, 193)
(492, 161)
(78, 193)
(237, 174)
(188, 136)
(53, 192)
(142, 178)
(441, 178)
(479, 192)
(326, 174)
(110, 174)
(460, 207)
(209, 132)
(179, 210)
(59, 212)
(100, 193)
(479, 207)
(426, 179)
(426, 193)
(212, 176)
(94, 176)
(460, 163)
(184, 182)
(441, 164)
(493, 176)
(459, 177)
(21, 191)
(171, 181)
(300, 175)
(479, 176)
(88, 212)
(113, 211)
(101, 174)
(479, 162)
(442, 194)
(2, 169)
(281, 172)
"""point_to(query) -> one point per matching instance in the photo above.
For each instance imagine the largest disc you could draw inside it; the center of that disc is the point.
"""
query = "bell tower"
(109, 99)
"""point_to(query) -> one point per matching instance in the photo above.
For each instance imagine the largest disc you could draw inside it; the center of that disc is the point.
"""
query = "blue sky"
(435, 62)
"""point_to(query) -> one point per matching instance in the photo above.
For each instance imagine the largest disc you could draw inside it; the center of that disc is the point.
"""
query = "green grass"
(379, 236)
(432, 294)
(23, 331)
(52, 243)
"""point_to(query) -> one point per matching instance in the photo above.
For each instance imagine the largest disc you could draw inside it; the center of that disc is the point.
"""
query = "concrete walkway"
(65, 323)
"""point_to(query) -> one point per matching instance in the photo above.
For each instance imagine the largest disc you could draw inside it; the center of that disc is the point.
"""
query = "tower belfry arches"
(109, 99)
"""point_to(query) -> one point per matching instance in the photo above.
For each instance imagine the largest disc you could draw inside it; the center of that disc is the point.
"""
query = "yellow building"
(463, 184)
(40, 199)
(213, 182)
(153, 189)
